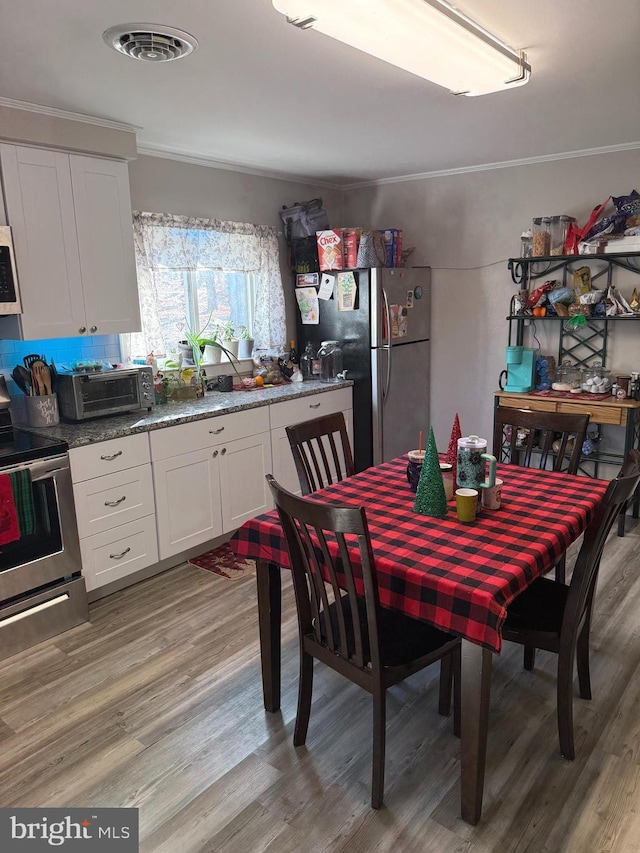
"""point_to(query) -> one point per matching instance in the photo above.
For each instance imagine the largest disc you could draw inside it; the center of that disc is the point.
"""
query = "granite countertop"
(171, 414)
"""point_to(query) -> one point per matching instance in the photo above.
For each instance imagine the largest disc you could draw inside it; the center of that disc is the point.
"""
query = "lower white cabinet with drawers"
(150, 496)
(115, 508)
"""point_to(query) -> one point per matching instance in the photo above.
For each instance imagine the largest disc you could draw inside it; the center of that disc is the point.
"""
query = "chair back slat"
(337, 645)
(321, 451)
(319, 597)
(585, 572)
(351, 601)
(538, 448)
(325, 579)
(545, 442)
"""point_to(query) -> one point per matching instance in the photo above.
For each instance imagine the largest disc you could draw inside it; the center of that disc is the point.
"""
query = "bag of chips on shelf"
(615, 304)
(628, 206)
(576, 235)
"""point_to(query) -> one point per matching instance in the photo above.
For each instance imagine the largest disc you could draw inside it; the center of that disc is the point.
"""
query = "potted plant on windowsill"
(208, 349)
(245, 342)
(229, 341)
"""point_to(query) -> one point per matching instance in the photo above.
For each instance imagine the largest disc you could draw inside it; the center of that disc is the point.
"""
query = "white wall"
(170, 186)
(465, 227)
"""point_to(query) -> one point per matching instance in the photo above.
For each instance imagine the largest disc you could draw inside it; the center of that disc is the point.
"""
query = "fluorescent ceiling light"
(429, 38)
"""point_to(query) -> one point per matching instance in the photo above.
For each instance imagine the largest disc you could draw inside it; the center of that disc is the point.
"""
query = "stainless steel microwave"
(111, 392)
(9, 293)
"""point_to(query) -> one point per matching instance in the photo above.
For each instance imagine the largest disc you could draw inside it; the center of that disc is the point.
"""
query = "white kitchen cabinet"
(297, 411)
(187, 490)
(214, 489)
(71, 223)
(244, 490)
(115, 508)
(119, 552)
(107, 457)
(114, 499)
(105, 242)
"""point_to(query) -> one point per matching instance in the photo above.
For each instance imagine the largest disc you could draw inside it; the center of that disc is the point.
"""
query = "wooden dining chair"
(342, 624)
(550, 615)
(544, 429)
(321, 451)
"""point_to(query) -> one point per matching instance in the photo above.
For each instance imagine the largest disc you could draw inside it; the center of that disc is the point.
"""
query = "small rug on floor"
(222, 561)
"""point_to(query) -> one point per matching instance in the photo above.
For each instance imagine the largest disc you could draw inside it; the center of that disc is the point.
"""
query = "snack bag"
(628, 207)
(575, 235)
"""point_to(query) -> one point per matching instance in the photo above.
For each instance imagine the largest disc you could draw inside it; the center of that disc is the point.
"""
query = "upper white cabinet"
(71, 222)
(105, 243)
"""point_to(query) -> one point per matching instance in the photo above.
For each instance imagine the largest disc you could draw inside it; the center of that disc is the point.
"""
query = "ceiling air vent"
(150, 42)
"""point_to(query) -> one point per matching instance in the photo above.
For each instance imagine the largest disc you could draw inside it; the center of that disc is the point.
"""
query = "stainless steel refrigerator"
(385, 342)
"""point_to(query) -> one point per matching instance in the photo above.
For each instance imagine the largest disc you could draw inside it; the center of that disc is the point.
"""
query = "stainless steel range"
(42, 592)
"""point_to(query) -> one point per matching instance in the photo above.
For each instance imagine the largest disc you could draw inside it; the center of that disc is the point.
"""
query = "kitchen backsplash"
(61, 350)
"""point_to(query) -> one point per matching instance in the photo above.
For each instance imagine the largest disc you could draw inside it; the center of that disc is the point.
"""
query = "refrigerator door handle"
(387, 346)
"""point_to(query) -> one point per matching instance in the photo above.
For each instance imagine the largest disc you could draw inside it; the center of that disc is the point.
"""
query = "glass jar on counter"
(541, 240)
(596, 379)
(330, 357)
(568, 378)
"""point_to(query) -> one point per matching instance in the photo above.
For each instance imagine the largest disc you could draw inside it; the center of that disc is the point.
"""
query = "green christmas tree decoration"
(430, 497)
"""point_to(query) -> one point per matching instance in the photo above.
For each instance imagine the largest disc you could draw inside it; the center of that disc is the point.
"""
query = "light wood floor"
(157, 704)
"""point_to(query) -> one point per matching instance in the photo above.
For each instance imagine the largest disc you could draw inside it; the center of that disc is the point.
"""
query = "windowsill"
(244, 366)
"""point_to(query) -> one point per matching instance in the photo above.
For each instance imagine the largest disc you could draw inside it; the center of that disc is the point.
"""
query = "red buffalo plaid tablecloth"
(459, 577)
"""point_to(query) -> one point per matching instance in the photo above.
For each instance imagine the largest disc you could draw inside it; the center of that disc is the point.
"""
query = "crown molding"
(486, 167)
(66, 114)
(182, 156)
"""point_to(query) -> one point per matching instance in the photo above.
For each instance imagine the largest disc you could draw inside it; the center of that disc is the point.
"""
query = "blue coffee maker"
(521, 370)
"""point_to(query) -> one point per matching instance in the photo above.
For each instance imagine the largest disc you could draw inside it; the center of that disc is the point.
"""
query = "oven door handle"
(40, 469)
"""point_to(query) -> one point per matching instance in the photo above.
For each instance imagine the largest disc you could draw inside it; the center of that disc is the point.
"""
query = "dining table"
(456, 575)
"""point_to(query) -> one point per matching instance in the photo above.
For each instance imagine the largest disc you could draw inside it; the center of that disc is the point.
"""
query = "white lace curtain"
(165, 241)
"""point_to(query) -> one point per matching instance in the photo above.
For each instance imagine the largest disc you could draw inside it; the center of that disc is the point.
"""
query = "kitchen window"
(193, 299)
(192, 271)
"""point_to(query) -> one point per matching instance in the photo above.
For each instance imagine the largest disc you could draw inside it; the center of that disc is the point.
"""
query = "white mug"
(492, 496)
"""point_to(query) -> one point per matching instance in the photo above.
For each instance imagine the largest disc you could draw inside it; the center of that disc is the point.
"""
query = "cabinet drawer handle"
(314, 405)
(119, 556)
(214, 454)
(216, 431)
(93, 329)
(82, 329)
(112, 457)
(223, 451)
(115, 503)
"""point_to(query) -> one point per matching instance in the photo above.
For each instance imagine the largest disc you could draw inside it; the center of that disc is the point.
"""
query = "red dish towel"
(9, 529)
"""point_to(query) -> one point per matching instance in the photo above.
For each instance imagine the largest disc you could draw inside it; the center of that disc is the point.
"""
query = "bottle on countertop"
(293, 353)
(306, 361)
